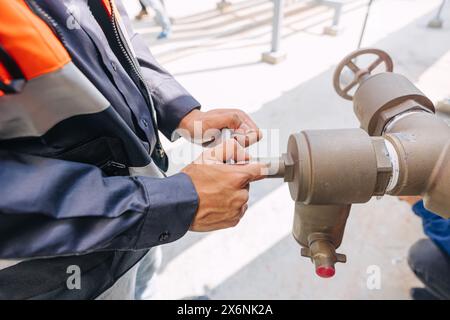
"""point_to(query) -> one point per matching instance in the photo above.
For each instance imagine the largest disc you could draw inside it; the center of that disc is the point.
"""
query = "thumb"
(254, 171)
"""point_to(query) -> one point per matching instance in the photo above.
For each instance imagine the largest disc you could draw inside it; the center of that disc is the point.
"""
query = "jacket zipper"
(55, 28)
(136, 70)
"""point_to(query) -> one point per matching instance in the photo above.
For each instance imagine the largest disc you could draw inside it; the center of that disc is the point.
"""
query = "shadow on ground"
(246, 24)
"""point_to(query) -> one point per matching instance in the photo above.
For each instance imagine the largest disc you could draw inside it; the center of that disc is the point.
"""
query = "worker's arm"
(53, 207)
(434, 226)
(172, 101)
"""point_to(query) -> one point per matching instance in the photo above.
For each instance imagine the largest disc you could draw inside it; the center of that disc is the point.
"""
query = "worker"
(162, 18)
(84, 197)
(429, 259)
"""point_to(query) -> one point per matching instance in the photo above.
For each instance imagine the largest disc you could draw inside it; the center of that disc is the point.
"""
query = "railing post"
(436, 22)
(275, 55)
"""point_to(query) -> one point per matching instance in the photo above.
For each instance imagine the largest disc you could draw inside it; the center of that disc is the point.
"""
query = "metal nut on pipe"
(281, 167)
(384, 165)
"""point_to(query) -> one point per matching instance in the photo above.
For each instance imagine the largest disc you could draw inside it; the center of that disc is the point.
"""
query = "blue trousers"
(432, 266)
(161, 14)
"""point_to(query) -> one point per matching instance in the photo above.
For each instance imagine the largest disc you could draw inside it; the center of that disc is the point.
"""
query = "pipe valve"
(402, 148)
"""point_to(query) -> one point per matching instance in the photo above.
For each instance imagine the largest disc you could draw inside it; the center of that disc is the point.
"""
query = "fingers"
(246, 130)
(231, 149)
(243, 210)
(228, 150)
(243, 172)
(241, 204)
(239, 119)
(238, 216)
(251, 130)
(251, 172)
(410, 199)
(247, 137)
(222, 120)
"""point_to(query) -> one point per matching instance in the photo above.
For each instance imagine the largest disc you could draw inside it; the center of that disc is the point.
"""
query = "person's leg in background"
(143, 13)
(145, 285)
(123, 289)
(432, 266)
(138, 283)
(161, 16)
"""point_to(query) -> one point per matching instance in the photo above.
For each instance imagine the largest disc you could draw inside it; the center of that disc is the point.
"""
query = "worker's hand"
(222, 188)
(203, 127)
(412, 200)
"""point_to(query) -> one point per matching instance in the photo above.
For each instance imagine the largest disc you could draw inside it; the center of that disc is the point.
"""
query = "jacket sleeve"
(172, 101)
(52, 207)
(434, 226)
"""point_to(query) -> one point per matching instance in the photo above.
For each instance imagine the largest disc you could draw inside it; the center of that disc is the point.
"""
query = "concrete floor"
(217, 57)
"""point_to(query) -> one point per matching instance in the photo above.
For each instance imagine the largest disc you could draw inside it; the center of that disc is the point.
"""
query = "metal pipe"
(402, 148)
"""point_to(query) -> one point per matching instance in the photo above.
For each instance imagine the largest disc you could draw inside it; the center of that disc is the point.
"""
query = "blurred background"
(217, 52)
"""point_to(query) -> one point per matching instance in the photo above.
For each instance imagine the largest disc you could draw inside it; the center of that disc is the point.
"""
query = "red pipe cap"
(325, 272)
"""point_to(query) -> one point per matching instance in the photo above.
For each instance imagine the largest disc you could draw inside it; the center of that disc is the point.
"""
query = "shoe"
(422, 294)
(141, 15)
(164, 35)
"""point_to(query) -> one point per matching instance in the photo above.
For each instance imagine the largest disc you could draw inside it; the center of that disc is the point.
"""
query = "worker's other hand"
(223, 189)
(203, 127)
(412, 200)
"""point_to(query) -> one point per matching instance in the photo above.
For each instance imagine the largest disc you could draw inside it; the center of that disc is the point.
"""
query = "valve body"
(402, 148)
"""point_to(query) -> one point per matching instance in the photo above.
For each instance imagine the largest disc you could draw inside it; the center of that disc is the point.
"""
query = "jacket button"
(164, 236)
